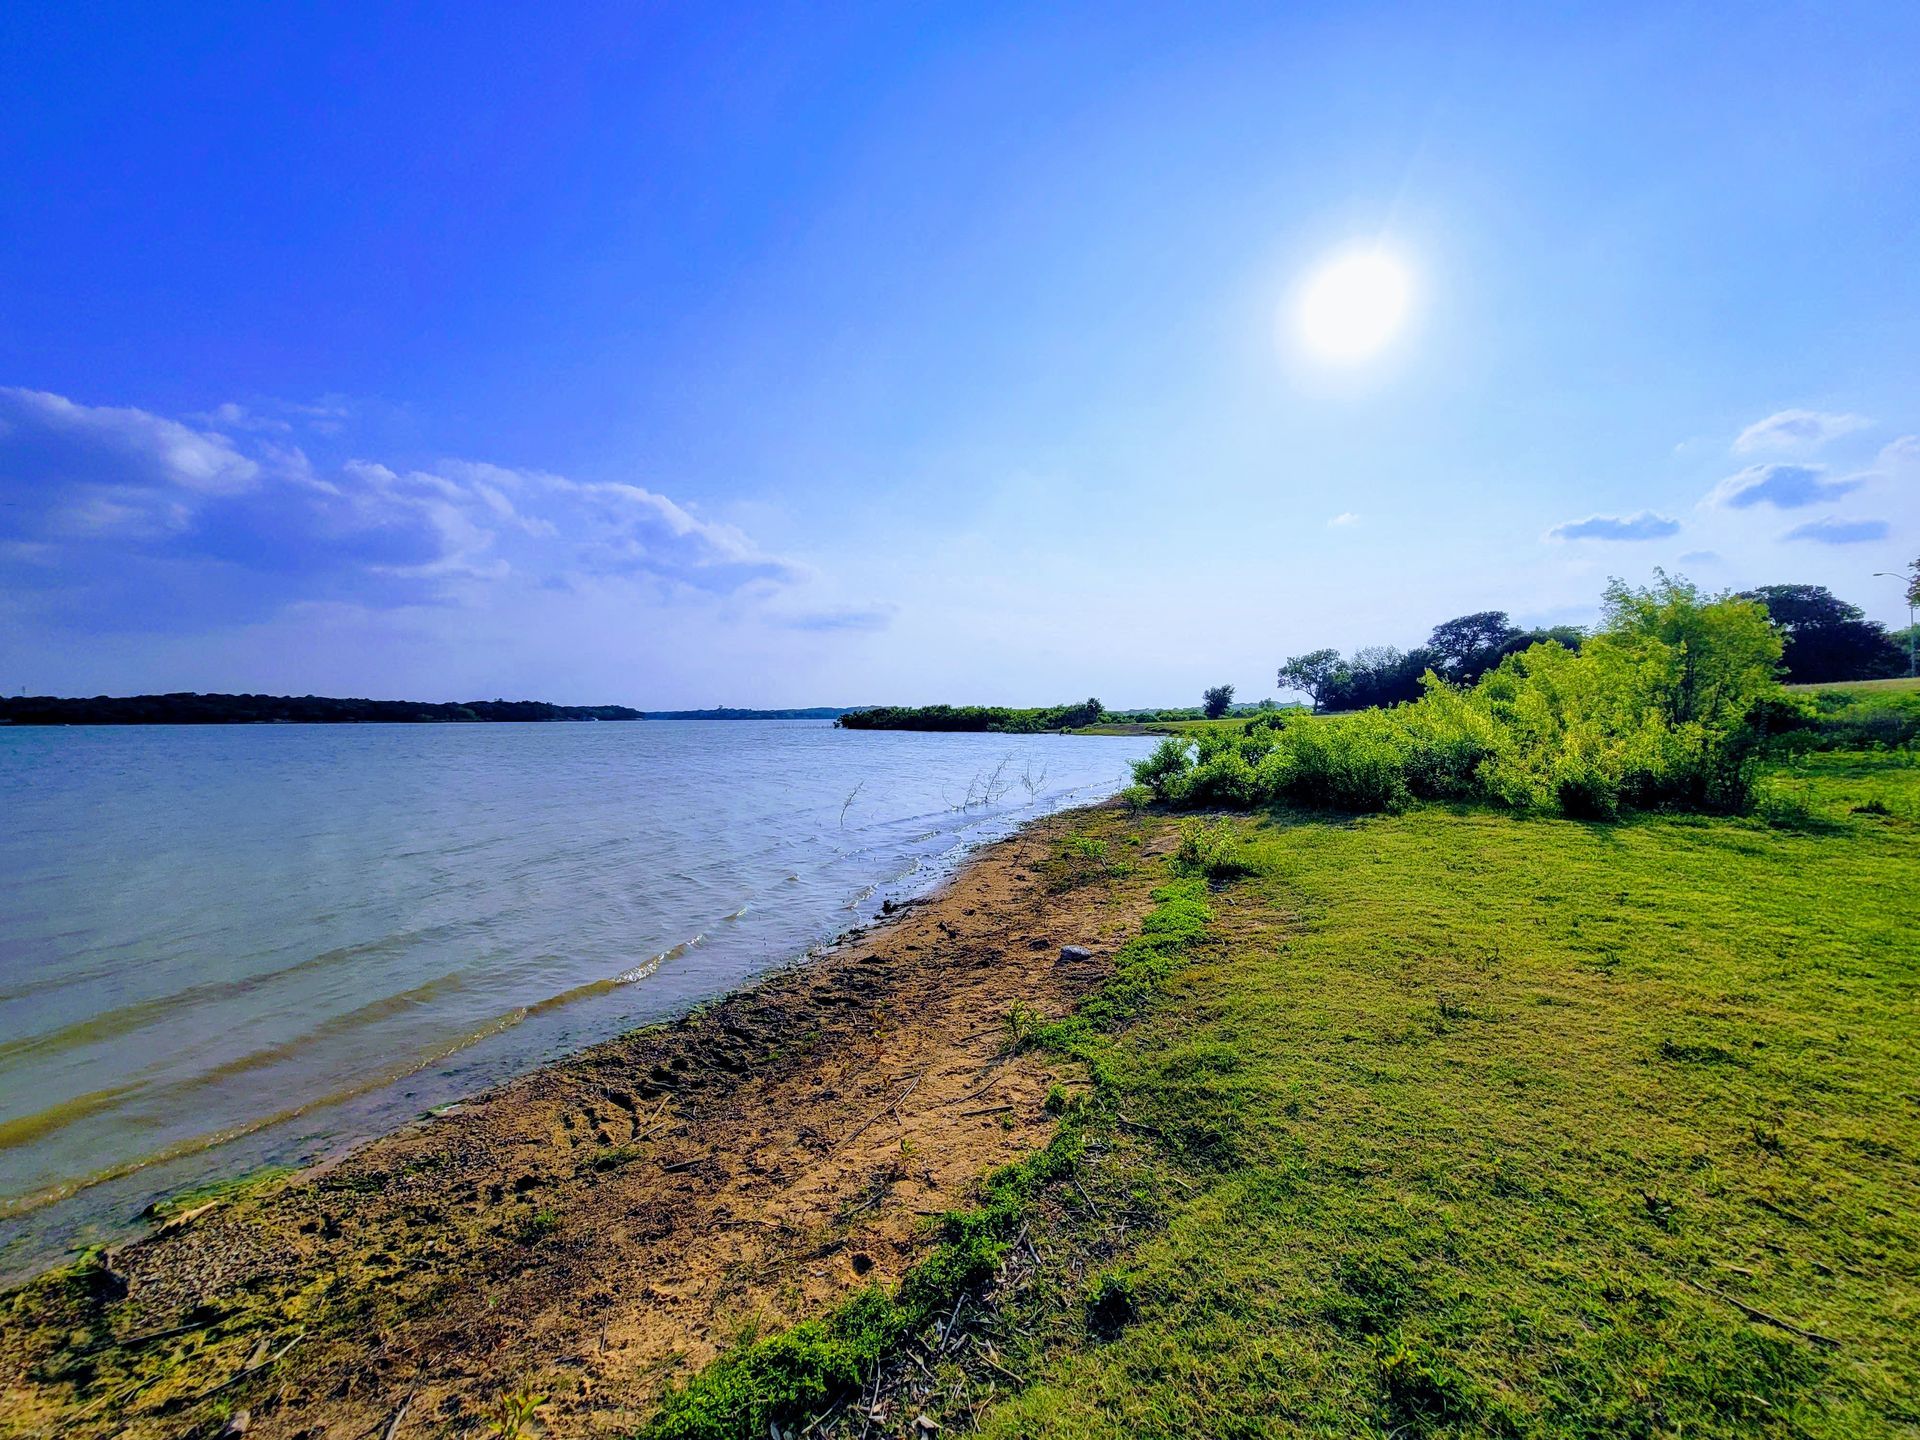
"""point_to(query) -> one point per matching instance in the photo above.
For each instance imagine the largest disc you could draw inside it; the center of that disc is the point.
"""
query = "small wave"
(212, 1140)
(647, 967)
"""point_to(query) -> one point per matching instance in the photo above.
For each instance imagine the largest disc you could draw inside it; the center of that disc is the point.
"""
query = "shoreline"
(68, 1207)
(752, 1160)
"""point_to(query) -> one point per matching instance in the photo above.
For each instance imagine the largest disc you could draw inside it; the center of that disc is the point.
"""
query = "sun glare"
(1353, 307)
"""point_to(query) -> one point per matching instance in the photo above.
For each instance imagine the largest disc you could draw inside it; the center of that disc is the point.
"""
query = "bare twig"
(1754, 1312)
(881, 1114)
(249, 1371)
(847, 804)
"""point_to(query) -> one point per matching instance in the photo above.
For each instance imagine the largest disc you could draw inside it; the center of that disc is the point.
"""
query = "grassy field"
(1901, 685)
(1458, 1124)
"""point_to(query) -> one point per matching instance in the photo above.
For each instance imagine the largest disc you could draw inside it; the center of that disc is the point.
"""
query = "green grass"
(1848, 687)
(1511, 1117)
(1229, 725)
(1455, 1123)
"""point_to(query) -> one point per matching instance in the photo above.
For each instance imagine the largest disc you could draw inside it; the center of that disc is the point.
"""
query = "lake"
(226, 946)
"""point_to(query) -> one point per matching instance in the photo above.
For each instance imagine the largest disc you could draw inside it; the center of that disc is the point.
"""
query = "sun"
(1354, 306)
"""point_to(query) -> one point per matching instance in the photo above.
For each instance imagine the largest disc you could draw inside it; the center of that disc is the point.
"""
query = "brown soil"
(598, 1228)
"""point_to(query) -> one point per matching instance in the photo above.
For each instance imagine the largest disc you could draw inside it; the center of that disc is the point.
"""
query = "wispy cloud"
(1343, 519)
(1900, 456)
(852, 617)
(1829, 531)
(52, 443)
(276, 417)
(146, 515)
(1796, 430)
(639, 523)
(1644, 526)
(1786, 487)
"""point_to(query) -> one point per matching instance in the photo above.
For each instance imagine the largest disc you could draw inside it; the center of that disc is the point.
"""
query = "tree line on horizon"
(187, 708)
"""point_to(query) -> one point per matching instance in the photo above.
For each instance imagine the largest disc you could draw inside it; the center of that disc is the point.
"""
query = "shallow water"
(227, 946)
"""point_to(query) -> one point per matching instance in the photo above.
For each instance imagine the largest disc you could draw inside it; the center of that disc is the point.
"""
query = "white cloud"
(275, 417)
(1644, 526)
(52, 440)
(1831, 531)
(1786, 487)
(110, 500)
(1796, 430)
(1344, 518)
(635, 510)
(1901, 456)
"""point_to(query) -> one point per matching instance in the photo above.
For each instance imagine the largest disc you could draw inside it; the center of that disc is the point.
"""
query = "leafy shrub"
(1782, 808)
(1848, 720)
(1211, 850)
(1668, 705)
(1080, 860)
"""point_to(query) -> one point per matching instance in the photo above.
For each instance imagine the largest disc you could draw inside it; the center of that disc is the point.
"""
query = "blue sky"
(684, 355)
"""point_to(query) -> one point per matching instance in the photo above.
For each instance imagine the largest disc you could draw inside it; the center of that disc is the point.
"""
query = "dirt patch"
(597, 1228)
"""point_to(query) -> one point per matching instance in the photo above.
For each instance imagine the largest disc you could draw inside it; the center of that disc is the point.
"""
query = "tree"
(1465, 647)
(1311, 674)
(1072, 717)
(1378, 675)
(1216, 701)
(1706, 658)
(1825, 637)
(1567, 637)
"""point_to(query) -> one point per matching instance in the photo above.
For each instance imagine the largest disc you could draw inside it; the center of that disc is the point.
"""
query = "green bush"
(1668, 704)
(1848, 720)
(1211, 850)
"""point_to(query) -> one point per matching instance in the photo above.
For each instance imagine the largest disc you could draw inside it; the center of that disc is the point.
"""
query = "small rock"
(925, 1424)
(239, 1424)
(1074, 954)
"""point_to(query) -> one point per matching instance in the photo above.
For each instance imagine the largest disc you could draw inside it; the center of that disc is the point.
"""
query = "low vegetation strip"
(997, 719)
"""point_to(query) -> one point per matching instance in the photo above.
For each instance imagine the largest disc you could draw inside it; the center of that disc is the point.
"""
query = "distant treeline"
(723, 712)
(1198, 712)
(189, 709)
(999, 719)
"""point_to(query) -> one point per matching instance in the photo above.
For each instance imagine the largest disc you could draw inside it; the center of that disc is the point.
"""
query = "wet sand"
(603, 1226)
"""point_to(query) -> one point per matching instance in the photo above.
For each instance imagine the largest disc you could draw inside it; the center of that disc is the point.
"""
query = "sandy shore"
(600, 1227)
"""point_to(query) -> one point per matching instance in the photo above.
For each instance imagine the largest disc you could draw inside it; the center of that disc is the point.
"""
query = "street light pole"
(1913, 669)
